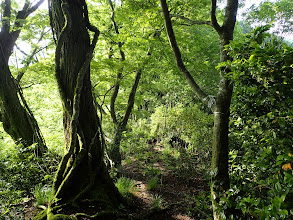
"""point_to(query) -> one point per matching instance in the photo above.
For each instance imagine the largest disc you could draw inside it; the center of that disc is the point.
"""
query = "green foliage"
(187, 122)
(42, 97)
(277, 12)
(262, 125)
(20, 172)
(202, 202)
(43, 194)
(152, 183)
(156, 202)
(125, 186)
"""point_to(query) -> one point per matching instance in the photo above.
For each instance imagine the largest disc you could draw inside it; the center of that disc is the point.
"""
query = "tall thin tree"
(220, 103)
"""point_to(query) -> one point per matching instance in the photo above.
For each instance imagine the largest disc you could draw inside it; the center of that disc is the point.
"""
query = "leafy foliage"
(43, 194)
(277, 12)
(157, 202)
(262, 125)
(125, 186)
(20, 172)
(184, 122)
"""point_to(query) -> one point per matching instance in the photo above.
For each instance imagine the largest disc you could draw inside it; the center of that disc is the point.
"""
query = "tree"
(220, 104)
(278, 13)
(82, 177)
(18, 120)
(120, 124)
(122, 69)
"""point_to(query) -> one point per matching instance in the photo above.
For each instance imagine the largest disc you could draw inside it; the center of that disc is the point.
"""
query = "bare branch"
(131, 98)
(114, 96)
(23, 52)
(35, 7)
(119, 75)
(230, 13)
(28, 62)
(21, 15)
(25, 12)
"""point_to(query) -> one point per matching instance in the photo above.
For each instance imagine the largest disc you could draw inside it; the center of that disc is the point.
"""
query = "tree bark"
(120, 124)
(220, 177)
(81, 176)
(18, 120)
(114, 151)
(220, 105)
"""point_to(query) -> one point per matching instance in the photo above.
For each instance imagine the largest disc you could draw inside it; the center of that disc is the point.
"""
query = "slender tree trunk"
(82, 177)
(120, 125)
(114, 151)
(220, 176)
(220, 146)
(220, 104)
(18, 120)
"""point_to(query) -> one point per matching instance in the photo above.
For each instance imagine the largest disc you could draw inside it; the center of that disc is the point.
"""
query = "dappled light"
(146, 110)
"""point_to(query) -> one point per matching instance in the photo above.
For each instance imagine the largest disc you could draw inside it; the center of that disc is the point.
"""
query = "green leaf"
(278, 187)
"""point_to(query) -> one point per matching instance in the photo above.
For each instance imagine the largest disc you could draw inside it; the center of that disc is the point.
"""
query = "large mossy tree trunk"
(81, 178)
(18, 120)
(220, 104)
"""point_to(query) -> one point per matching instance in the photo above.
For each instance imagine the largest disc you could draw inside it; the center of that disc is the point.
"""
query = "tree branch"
(6, 7)
(213, 16)
(178, 57)
(21, 15)
(230, 14)
(191, 22)
(131, 98)
(25, 12)
(28, 62)
(35, 7)
(119, 75)
(114, 96)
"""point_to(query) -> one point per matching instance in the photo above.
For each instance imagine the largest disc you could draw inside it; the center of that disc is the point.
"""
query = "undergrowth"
(21, 173)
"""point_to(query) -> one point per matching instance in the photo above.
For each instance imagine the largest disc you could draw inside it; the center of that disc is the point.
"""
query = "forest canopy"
(158, 109)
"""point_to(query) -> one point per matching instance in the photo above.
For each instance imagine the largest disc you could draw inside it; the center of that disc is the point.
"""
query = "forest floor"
(171, 177)
(180, 183)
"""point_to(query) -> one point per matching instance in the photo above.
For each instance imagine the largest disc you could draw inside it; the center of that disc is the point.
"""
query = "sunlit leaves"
(262, 125)
(279, 12)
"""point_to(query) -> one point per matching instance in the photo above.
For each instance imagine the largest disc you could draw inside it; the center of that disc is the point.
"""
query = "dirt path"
(176, 191)
(177, 180)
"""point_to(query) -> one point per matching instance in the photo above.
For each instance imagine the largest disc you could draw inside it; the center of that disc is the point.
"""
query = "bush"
(262, 126)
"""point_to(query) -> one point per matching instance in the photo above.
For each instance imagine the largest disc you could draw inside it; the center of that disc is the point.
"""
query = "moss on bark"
(82, 183)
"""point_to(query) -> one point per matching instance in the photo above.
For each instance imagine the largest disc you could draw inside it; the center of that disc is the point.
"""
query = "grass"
(125, 186)
(43, 194)
(156, 202)
(152, 183)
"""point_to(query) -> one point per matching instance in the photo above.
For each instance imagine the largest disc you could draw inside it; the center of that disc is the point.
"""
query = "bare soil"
(176, 187)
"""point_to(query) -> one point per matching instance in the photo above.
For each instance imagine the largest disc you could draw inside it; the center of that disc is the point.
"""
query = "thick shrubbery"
(262, 128)
(188, 123)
